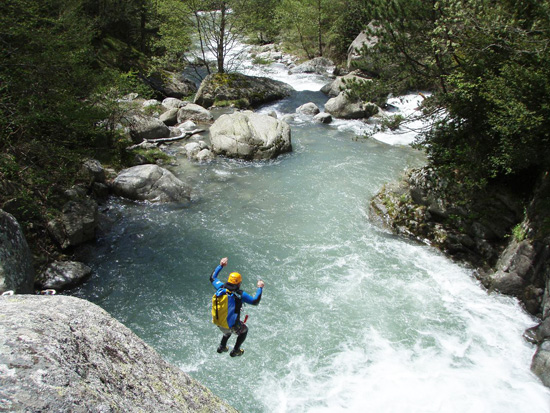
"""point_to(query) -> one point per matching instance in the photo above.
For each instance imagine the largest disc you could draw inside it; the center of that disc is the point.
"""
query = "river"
(353, 318)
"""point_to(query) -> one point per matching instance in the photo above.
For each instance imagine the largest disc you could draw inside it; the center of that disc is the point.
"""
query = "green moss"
(149, 155)
(242, 103)
(261, 61)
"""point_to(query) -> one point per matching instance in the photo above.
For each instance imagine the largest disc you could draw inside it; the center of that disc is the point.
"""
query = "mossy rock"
(234, 89)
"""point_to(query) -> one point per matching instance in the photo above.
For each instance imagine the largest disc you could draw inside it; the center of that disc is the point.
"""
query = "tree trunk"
(319, 32)
(221, 39)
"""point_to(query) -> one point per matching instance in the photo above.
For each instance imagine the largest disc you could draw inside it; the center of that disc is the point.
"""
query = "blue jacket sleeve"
(247, 298)
(214, 277)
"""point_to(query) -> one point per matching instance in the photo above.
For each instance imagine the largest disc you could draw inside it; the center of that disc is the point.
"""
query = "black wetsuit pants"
(241, 331)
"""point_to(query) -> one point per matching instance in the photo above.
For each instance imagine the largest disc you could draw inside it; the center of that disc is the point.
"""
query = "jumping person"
(234, 323)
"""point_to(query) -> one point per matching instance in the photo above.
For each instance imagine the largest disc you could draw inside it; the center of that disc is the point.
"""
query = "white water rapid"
(353, 319)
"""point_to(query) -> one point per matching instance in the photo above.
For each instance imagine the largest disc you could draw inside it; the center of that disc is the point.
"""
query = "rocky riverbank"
(501, 232)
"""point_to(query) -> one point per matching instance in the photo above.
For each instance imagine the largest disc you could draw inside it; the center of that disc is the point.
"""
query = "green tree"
(257, 18)
(486, 63)
(49, 118)
(306, 23)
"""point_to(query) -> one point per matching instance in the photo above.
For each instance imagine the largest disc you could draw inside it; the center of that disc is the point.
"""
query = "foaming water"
(352, 319)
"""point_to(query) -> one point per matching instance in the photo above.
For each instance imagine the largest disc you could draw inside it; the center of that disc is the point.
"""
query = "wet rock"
(64, 354)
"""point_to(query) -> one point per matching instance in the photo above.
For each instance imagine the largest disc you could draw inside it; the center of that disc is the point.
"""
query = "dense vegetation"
(64, 64)
(487, 63)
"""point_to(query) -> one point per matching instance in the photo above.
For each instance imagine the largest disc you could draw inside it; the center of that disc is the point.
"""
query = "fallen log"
(175, 138)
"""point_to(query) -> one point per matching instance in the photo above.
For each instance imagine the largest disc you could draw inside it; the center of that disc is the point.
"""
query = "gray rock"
(143, 128)
(171, 84)
(250, 91)
(342, 107)
(191, 149)
(188, 125)
(248, 135)
(150, 183)
(151, 103)
(323, 117)
(507, 283)
(170, 117)
(334, 88)
(540, 364)
(308, 109)
(363, 40)
(64, 354)
(173, 103)
(77, 223)
(318, 65)
(92, 171)
(195, 113)
(205, 155)
(16, 266)
(60, 275)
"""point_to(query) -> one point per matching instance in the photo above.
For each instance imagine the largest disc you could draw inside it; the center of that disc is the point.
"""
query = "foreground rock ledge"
(65, 354)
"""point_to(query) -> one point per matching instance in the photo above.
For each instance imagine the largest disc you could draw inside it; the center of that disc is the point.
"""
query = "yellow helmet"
(234, 278)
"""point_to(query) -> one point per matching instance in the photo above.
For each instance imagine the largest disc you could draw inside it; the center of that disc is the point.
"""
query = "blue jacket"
(241, 295)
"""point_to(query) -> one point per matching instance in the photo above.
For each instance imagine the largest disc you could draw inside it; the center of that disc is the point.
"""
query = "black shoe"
(222, 349)
(236, 353)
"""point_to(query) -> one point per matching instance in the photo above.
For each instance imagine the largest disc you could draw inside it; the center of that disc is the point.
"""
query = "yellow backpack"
(223, 308)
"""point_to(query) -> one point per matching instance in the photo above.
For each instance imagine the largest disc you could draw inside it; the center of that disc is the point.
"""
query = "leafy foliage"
(487, 63)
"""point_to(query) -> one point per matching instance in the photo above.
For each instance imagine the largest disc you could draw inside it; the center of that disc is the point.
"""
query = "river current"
(352, 318)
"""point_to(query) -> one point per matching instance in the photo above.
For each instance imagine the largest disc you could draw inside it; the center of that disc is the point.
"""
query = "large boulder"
(150, 183)
(60, 275)
(343, 107)
(76, 224)
(194, 112)
(249, 135)
(143, 128)
(65, 354)
(16, 267)
(355, 55)
(240, 90)
(169, 84)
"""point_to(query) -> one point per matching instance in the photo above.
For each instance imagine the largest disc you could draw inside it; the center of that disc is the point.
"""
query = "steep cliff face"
(65, 354)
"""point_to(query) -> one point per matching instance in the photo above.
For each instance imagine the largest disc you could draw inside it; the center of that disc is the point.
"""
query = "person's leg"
(222, 348)
(243, 331)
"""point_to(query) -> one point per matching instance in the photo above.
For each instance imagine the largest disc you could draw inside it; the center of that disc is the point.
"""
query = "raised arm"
(247, 298)
(214, 276)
